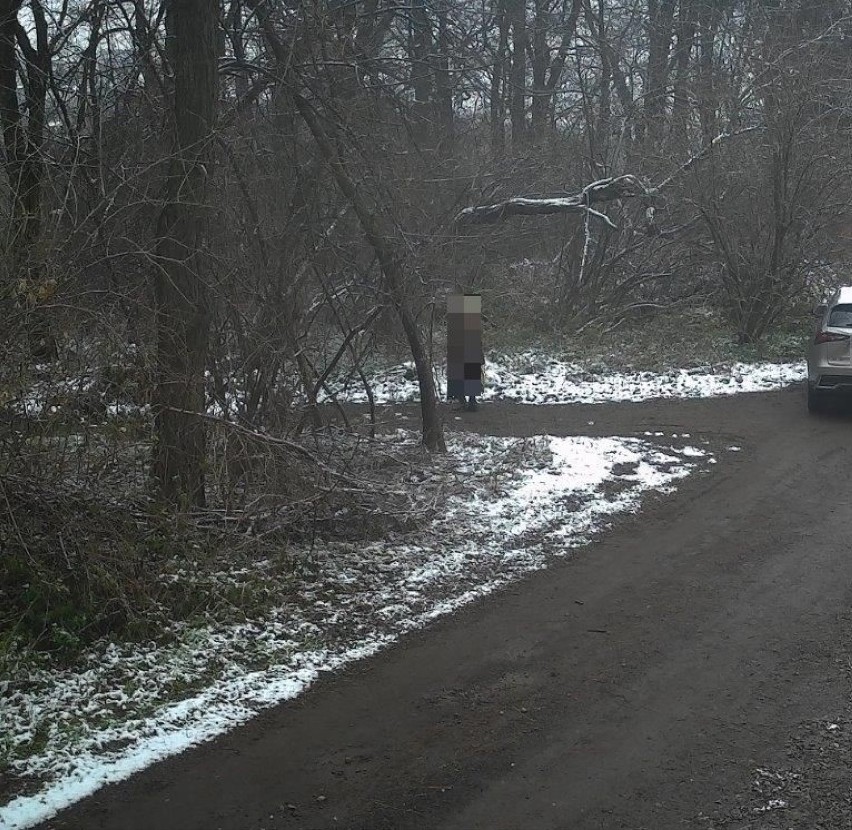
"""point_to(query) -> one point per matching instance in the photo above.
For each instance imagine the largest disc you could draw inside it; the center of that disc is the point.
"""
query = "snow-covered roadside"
(116, 716)
(530, 377)
(536, 378)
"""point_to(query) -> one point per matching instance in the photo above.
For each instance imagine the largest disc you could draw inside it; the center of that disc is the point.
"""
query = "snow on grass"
(532, 378)
(525, 377)
(524, 502)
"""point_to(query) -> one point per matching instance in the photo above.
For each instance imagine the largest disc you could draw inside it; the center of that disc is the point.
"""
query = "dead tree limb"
(700, 156)
(603, 190)
(627, 186)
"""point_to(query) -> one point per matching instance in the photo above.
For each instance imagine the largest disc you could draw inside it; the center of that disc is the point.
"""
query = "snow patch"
(115, 716)
(531, 378)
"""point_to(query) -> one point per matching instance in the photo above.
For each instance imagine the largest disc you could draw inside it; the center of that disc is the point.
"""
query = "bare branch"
(627, 186)
(703, 155)
(603, 190)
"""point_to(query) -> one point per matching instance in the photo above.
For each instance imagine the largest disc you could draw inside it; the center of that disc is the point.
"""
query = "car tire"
(816, 402)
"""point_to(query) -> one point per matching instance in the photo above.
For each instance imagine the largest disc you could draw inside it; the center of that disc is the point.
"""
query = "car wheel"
(816, 402)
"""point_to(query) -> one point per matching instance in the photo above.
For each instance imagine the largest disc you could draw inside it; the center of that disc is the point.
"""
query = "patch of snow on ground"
(534, 379)
(524, 377)
(116, 714)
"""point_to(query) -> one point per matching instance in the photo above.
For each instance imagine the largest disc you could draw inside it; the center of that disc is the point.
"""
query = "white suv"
(830, 354)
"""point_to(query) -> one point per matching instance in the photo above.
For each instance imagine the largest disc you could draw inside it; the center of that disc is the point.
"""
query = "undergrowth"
(680, 338)
(80, 564)
(75, 569)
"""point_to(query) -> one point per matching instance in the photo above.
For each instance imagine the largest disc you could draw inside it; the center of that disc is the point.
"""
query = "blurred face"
(464, 328)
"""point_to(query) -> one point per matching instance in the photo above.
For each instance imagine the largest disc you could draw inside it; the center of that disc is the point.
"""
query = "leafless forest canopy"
(210, 209)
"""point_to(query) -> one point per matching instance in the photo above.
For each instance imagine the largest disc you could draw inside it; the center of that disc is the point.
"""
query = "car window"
(841, 315)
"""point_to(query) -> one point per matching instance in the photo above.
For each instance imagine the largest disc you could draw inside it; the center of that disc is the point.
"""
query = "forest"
(218, 216)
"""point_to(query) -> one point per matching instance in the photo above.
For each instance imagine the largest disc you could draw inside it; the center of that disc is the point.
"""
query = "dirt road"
(637, 685)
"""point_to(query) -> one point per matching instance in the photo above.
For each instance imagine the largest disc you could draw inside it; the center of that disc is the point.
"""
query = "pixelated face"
(472, 304)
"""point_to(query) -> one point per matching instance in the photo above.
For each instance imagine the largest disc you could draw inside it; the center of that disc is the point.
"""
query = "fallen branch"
(603, 190)
(627, 186)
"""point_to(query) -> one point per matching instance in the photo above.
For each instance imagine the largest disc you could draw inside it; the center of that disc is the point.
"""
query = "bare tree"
(548, 61)
(517, 15)
(182, 265)
(370, 214)
(23, 127)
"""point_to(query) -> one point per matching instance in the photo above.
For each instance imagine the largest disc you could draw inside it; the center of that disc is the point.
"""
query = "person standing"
(465, 356)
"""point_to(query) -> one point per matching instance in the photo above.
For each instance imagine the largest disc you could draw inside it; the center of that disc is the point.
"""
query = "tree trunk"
(23, 142)
(596, 19)
(539, 108)
(443, 82)
(237, 36)
(180, 282)
(377, 236)
(708, 24)
(420, 48)
(517, 13)
(546, 78)
(498, 84)
(682, 53)
(143, 40)
(374, 23)
(23, 162)
(661, 14)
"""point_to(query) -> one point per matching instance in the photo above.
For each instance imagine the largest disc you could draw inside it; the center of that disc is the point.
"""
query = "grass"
(682, 339)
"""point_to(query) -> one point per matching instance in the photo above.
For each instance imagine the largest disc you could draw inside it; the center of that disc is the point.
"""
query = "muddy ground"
(639, 684)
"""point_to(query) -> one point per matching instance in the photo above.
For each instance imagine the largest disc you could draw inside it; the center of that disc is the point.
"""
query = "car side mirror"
(820, 310)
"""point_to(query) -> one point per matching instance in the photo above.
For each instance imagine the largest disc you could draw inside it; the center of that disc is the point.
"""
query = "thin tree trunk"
(420, 47)
(237, 35)
(498, 83)
(682, 53)
(23, 142)
(547, 69)
(518, 77)
(433, 433)
(539, 108)
(180, 282)
(708, 24)
(661, 14)
(605, 106)
(596, 20)
(443, 82)
(23, 166)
